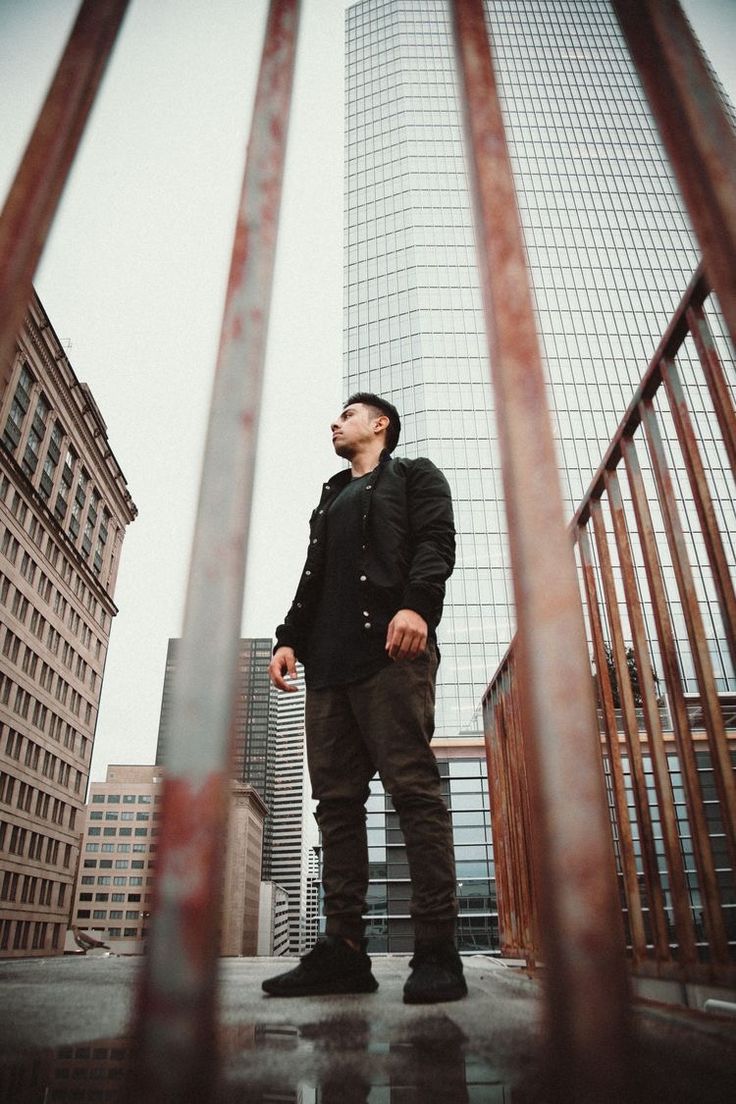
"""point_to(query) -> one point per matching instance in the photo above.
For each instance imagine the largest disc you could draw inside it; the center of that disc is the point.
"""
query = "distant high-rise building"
(609, 247)
(312, 908)
(252, 757)
(293, 829)
(268, 753)
(273, 920)
(64, 506)
(251, 760)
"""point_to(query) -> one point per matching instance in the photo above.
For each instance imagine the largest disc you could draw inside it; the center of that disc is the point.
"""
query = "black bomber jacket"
(408, 549)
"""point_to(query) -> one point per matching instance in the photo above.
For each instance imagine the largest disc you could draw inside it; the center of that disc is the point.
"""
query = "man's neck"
(365, 462)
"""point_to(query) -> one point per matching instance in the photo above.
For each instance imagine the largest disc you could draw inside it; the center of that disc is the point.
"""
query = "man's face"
(353, 430)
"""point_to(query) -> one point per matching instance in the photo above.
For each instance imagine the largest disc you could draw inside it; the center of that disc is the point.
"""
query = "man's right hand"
(283, 663)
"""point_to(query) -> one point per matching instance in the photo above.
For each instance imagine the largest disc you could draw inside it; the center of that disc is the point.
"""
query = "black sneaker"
(436, 974)
(332, 966)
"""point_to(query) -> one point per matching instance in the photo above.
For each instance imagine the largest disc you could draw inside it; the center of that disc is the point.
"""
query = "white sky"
(133, 279)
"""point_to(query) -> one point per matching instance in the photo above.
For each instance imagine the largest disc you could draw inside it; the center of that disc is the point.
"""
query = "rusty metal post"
(176, 1008)
(39, 181)
(587, 987)
(695, 128)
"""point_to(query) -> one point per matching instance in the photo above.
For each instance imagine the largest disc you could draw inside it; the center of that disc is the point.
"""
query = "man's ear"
(382, 423)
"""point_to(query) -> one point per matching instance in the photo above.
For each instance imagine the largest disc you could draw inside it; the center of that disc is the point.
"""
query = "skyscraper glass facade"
(610, 253)
(388, 923)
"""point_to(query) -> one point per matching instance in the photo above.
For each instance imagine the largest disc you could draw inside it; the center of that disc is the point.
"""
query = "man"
(363, 621)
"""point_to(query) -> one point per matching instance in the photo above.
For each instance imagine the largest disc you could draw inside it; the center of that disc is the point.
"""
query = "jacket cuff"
(285, 638)
(418, 599)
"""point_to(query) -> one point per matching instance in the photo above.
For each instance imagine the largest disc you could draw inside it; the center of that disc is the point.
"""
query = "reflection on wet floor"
(333, 1061)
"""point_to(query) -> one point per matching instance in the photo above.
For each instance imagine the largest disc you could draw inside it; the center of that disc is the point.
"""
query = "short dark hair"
(367, 398)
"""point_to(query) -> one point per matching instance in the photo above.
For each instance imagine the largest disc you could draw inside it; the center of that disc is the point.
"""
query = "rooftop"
(64, 1036)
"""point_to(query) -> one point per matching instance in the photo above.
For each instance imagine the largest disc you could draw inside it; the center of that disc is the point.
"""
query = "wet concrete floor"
(64, 1036)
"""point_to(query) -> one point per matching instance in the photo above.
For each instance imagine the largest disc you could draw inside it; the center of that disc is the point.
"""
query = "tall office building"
(64, 506)
(294, 831)
(609, 247)
(268, 753)
(252, 756)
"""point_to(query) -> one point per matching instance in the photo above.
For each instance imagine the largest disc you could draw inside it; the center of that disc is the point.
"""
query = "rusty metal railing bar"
(39, 182)
(513, 938)
(631, 737)
(176, 1009)
(714, 726)
(695, 129)
(673, 679)
(715, 378)
(580, 917)
(519, 811)
(626, 842)
(702, 499)
(530, 857)
(494, 735)
(682, 914)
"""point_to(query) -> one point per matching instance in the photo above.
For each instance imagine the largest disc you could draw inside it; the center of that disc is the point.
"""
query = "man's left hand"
(407, 635)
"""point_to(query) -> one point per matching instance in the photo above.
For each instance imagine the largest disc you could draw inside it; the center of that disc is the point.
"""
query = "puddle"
(333, 1061)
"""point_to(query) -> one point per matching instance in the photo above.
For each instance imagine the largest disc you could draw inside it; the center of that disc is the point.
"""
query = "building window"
(18, 409)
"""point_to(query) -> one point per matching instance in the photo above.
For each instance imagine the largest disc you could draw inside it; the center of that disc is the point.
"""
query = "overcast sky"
(133, 279)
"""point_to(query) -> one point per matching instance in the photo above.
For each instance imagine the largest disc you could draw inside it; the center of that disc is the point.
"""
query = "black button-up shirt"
(348, 637)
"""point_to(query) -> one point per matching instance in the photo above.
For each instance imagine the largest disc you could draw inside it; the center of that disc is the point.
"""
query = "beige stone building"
(243, 871)
(114, 891)
(64, 507)
(114, 888)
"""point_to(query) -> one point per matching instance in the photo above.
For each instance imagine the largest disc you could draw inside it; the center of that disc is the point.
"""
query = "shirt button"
(321, 511)
(363, 578)
(307, 572)
(368, 486)
(367, 625)
(328, 487)
(314, 541)
(366, 613)
(298, 605)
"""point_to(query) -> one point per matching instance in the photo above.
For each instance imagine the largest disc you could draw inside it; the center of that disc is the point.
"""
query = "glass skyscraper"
(610, 253)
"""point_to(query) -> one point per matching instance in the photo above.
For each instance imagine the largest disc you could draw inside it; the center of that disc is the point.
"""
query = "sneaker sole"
(326, 989)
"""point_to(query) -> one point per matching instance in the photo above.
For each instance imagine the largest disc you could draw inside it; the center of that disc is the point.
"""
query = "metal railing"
(638, 564)
(547, 716)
